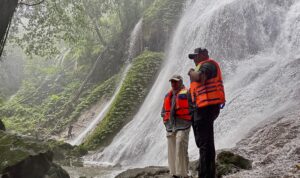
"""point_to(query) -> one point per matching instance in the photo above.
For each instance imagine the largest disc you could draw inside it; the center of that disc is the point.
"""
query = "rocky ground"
(227, 163)
(274, 147)
(92, 172)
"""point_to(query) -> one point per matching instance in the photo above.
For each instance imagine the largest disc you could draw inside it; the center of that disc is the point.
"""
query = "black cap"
(198, 51)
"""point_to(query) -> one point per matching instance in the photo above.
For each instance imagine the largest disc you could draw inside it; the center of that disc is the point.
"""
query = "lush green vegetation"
(133, 92)
(100, 93)
(84, 25)
(76, 40)
(74, 54)
(28, 115)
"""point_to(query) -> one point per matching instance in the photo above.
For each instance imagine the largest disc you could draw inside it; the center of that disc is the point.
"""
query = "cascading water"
(132, 51)
(257, 43)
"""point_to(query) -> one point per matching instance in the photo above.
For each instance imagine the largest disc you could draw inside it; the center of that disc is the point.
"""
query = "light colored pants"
(178, 157)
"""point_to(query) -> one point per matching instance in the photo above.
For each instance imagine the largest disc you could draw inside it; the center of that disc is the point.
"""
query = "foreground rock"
(227, 163)
(152, 171)
(66, 154)
(26, 158)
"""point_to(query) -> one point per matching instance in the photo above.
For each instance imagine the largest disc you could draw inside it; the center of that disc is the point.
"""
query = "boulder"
(226, 163)
(27, 158)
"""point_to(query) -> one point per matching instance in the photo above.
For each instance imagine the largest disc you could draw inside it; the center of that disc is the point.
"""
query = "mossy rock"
(25, 157)
(14, 149)
(56, 171)
(229, 163)
(134, 89)
(66, 154)
(226, 163)
(227, 157)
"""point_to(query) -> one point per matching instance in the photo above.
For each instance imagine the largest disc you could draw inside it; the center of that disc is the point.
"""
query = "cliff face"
(160, 20)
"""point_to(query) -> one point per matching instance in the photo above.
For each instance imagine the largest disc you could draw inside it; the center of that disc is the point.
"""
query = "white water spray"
(244, 36)
(134, 37)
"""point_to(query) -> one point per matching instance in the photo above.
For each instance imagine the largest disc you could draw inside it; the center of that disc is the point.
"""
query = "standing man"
(177, 120)
(70, 131)
(207, 93)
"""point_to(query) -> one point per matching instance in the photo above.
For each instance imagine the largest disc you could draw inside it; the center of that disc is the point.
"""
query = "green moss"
(103, 91)
(27, 112)
(228, 163)
(136, 85)
(227, 157)
(46, 117)
(63, 152)
(14, 149)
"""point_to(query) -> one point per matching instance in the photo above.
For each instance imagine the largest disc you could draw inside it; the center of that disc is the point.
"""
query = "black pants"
(203, 126)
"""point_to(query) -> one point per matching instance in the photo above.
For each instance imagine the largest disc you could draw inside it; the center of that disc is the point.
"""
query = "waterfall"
(132, 52)
(256, 42)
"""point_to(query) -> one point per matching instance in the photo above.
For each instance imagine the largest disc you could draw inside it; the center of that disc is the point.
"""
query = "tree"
(7, 8)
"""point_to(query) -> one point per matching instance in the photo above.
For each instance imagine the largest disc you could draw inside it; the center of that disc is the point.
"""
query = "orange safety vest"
(182, 105)
(211, 92)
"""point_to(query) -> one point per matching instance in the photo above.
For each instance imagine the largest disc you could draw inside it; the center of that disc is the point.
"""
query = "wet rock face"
(26, 158)
(273, 147)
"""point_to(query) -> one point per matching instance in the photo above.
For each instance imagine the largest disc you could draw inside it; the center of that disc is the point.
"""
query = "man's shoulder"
(209, 68)
(209, 64)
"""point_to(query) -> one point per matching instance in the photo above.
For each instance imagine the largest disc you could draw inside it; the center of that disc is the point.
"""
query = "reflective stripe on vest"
(211, 92)
(181, 108)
